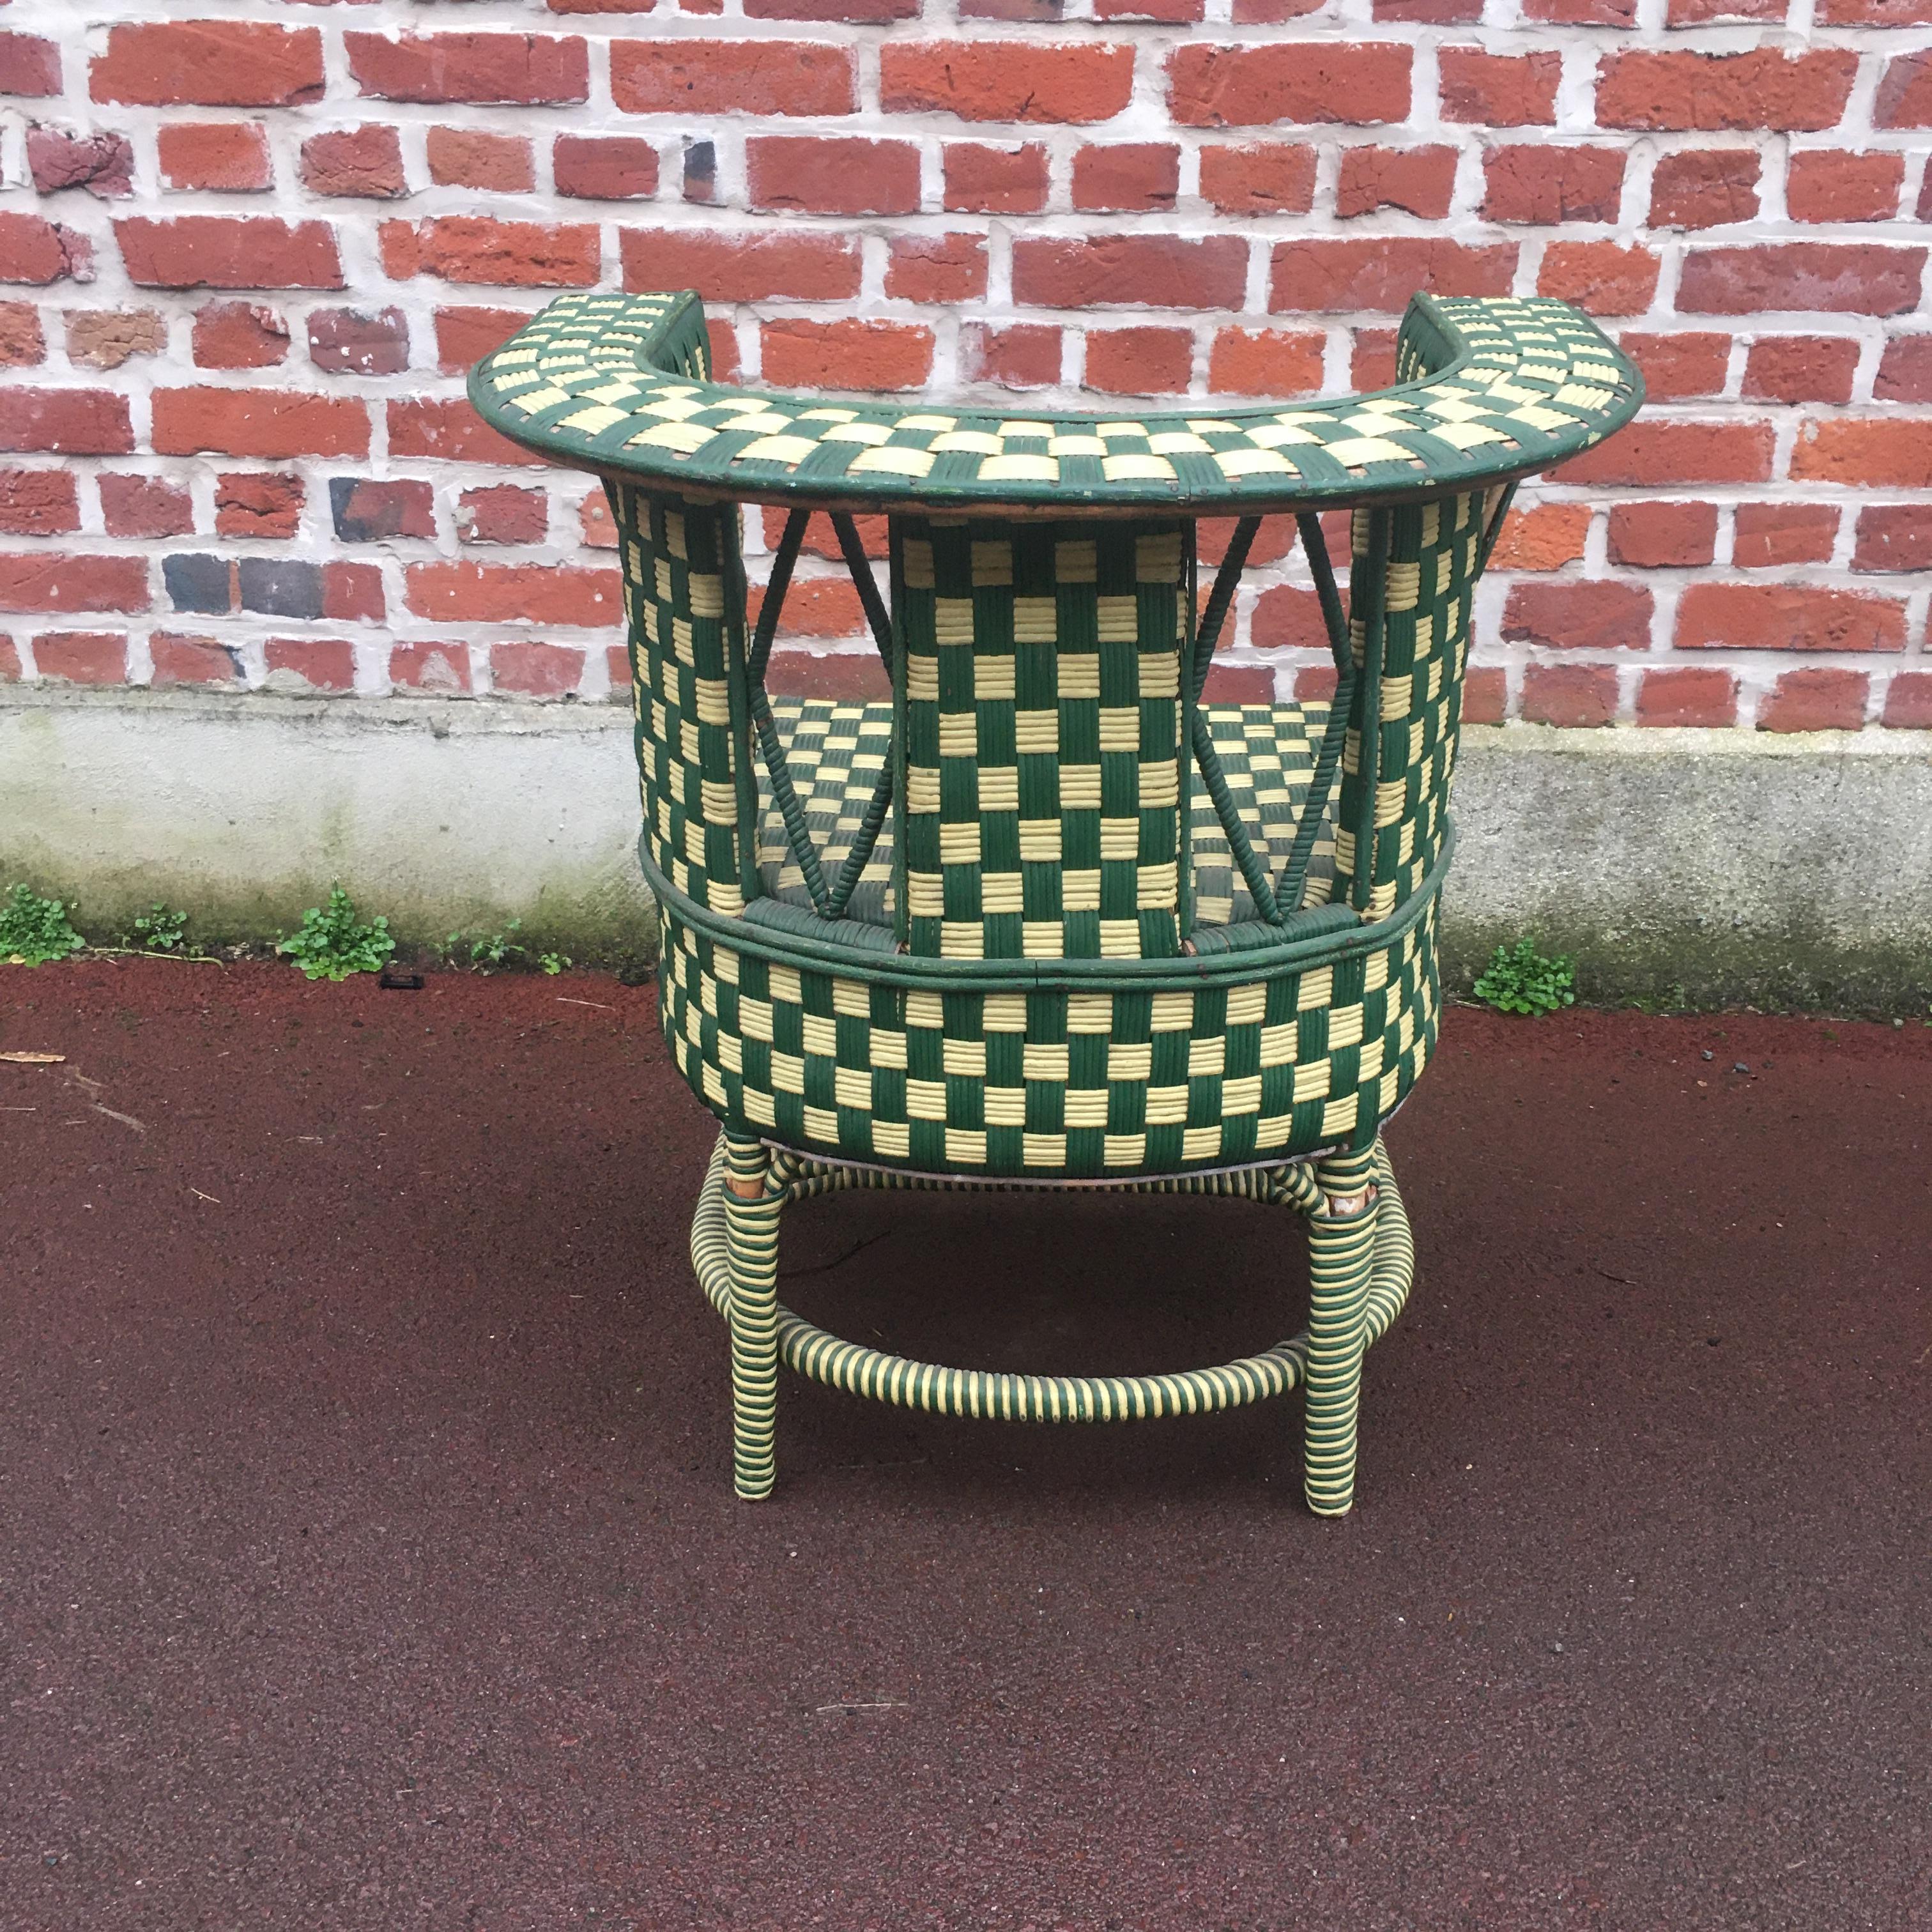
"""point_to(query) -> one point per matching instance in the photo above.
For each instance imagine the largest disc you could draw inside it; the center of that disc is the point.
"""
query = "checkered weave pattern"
(1496, 387)
(1045, 724)
(1111, 1083)
(837, 751)
(1412, 696)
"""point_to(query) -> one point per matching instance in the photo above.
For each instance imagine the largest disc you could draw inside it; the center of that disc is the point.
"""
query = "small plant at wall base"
(159, 929)
(1519, 980)
(34, 930)
(332, 942)
(486, 954)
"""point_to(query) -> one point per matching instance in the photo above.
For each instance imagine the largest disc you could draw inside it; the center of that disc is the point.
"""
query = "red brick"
(1576, 696)
(69, 422)
(1787, 617)
(1485, 694)
(1830, 698)
(358, 342)
(99, 338)
(595, 528)
(1005, 80)
(1266, 362)
(1126, 177)
(1130, 271)
(835, 175)
(1650, 454)
(1581, 13)
(1894, 454)
(34, 249)
(1704, 187)
(30, 67)
(82, 657)
(1874, 13)
(1675, 366)
(1381, 272)
(815, 607)
(533, 669)
(477, 248)
(1262, 85)
(311, 663)
(1908, 701)
(103, 163)
(257, 506)
(1761, 89)
(995, 181)
(1801, 368)
(1276, 539)
(1286, 617)
(1601, 277)
(1547, 185)
(847, 355)
(441, 669)
(1542, 536)
(10, 670)
(699, 78)
(936, 268)
(1663, 536)
(353, 593)
(1268, 178)
(1595, 615)
(1419, 180)
(1692, 695)
(861, 12)
(1169, 11)
(364, 162)
(1825, 186)
(1022, 355)
(1905, 93)
(209, 64)
(526, 68)
(238, 335)
(492, 593)
(1430, 13)
(228, 155)
(1271, 12)
(1770, 535)
(179, 659)
(1139, 361)
(819, 539)
(22, 344)
(503, 513)
(38, 502)
(267, 423)
(464, 336)
(842, 677)
(469, 157)
(1905, 370)
(446, 429)
(604, 167)
(1371, 359)
(1855, 278)
(229, 251)
(1499, 90)
(1894, 536)
(145, 506)
(365, 510)
(1704, 13)
(726, 268)
(44, 579)
(1240, 684)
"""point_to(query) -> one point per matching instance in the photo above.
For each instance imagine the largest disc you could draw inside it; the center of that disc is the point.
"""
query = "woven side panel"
(1433, 565)
(1051, 1084)
(682, 600)
(1043, 727)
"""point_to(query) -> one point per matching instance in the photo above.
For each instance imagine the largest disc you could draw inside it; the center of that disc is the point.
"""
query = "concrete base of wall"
(1698, 867)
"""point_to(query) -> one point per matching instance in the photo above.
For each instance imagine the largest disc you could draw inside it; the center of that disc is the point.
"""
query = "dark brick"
(280, 586)
(365, 510)
(197, 583)
(359, 342)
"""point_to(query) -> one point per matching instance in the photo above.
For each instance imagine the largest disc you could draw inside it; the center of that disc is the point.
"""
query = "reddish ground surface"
(368, 1557)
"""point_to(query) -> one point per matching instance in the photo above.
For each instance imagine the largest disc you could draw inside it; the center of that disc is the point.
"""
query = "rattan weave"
(1048, 918)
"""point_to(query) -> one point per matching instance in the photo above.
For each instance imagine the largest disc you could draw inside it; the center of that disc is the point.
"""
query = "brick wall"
(251, 253)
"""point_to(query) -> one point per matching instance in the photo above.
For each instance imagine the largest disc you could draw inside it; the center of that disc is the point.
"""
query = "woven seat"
(837, 751)
(1048, 919)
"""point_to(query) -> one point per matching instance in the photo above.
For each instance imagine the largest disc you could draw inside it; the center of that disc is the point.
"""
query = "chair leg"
(1341, 1240)
(751, 1236)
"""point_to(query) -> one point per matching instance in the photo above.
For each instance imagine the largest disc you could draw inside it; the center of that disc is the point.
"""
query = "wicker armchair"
(1047, 918)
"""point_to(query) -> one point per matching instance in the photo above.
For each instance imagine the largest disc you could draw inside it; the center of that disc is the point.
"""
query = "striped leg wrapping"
(1361, 1273)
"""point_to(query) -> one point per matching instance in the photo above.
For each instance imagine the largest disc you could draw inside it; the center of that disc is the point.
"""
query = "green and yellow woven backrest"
(1043, 733)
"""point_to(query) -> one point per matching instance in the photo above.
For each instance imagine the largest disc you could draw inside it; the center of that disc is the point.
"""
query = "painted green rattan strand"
(1361, 1268)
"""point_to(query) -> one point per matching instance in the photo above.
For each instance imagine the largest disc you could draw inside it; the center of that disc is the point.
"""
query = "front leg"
(751, 1210)
(1342, 1242)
